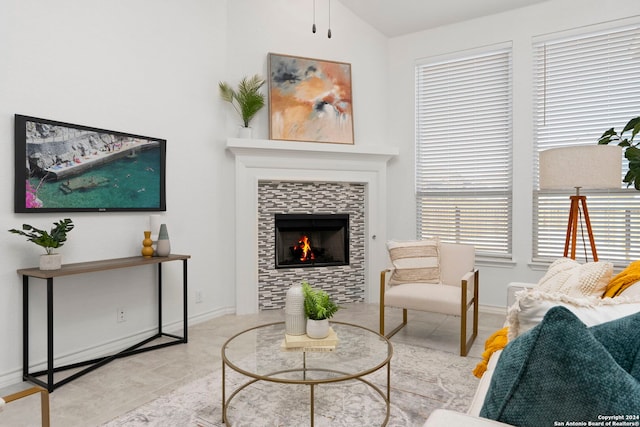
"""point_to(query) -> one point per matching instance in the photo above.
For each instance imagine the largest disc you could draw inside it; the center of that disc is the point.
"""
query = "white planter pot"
(317, 328)
(50, 262)
(246, 133)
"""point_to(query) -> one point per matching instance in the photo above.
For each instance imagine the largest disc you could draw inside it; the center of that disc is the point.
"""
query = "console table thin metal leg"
(25, 327)
(184, 299)
(50, 384)
(160, 299)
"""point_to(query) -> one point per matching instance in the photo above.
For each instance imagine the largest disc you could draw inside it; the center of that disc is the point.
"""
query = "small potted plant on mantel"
(319, 308)
(48, 240)
(246, 100)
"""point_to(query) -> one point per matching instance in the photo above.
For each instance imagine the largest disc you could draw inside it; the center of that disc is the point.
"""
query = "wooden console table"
(89, 267)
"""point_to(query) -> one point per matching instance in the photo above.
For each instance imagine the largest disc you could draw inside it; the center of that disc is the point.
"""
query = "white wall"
(144, 67)
(284, 26)
(151, 68)
(517, 27)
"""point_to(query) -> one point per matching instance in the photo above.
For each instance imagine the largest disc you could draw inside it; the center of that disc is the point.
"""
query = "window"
(583, 85)
(463, 151)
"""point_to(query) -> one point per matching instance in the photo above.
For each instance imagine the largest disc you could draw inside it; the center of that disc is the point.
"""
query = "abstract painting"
(310, 100)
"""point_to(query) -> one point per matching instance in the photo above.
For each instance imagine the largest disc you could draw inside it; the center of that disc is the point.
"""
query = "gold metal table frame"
(341, 376)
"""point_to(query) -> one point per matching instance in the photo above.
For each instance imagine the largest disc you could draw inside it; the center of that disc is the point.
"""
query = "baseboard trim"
(492, 309)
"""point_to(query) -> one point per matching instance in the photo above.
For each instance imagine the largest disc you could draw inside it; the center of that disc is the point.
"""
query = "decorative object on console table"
(310, 100)
(319, 308)
(247, 100)
(580, 166)
(163, 244)
(295, 319)
(48, 240)
(147, 249)
(154, 227)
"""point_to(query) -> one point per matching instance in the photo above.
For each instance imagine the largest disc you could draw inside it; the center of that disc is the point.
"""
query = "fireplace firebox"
(311, 240)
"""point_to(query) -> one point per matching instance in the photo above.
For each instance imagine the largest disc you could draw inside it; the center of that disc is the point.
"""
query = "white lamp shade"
(585, 166)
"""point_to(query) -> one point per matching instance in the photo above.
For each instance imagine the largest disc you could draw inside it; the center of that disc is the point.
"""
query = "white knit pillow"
(568, 277)
(415, 261)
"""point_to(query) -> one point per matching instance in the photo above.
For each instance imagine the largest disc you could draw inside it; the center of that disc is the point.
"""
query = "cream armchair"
(453, 291)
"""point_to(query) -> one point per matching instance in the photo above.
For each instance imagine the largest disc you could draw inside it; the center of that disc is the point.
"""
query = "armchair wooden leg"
(19, 391)
(383, 277)
(465, 345)
(400, 326)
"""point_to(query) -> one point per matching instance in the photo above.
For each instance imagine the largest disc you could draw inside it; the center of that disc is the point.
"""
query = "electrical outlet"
(122, 315)
(198, 296)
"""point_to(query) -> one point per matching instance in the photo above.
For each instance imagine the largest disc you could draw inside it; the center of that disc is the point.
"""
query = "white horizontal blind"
(463, 151)
(584, 85)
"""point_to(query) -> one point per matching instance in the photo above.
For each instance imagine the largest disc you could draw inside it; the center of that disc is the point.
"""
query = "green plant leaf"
(317, 303)
(607, 137)
(631, 124)
(247, 99)
(48, 240)
(631, 152)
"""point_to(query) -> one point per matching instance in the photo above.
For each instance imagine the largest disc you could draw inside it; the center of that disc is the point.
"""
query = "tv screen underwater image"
(62, 167)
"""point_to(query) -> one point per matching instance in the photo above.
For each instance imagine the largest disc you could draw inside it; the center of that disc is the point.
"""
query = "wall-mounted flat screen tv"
(62, 167)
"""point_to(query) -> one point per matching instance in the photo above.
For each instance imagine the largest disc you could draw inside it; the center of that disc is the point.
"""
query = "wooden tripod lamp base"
(578, 202)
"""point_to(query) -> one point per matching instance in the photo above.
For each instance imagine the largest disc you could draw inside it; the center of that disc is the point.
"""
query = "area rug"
(422, 380)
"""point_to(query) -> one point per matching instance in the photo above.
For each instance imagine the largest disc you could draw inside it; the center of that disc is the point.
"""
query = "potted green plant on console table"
(48, 240)
(319, 308)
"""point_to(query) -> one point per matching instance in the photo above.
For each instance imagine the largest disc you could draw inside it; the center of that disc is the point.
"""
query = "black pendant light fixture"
(313, 27)
(329, 31)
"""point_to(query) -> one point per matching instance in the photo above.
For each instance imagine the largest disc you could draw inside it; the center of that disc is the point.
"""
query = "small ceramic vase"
(163, 245)
(295, 319)
(147, 245)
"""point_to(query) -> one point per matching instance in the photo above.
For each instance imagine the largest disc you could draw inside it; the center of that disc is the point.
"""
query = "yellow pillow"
(623, 280)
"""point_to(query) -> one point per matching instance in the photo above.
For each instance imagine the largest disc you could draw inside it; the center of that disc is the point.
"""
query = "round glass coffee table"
(259, 354)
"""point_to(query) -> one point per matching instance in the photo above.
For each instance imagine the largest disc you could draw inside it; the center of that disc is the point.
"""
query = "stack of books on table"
(304, 343)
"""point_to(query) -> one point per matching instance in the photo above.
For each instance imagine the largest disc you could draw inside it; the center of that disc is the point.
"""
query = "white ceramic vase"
(295, 319)
(50, 262)
(163, 245)
(317, 328)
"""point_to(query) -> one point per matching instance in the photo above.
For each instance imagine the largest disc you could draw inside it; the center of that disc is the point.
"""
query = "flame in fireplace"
(304, 246)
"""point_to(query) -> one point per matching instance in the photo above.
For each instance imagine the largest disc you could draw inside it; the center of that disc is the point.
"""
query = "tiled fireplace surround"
(346, 282)
(266, 169)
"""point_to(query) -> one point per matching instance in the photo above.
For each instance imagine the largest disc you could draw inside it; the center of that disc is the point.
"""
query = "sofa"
(565, 311)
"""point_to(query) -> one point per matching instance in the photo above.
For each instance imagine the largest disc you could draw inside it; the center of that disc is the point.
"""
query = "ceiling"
(397, 17)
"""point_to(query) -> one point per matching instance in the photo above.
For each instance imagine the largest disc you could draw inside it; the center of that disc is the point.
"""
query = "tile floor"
(127, 383)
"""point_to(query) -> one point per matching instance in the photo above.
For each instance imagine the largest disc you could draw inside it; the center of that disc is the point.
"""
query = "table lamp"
(581, 166)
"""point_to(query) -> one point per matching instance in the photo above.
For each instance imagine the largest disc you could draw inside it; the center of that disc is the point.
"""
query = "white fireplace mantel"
(268, 160)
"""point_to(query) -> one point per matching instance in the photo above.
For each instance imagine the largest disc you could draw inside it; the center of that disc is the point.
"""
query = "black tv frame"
(72, 159)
